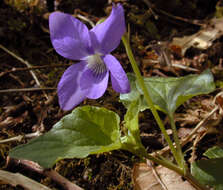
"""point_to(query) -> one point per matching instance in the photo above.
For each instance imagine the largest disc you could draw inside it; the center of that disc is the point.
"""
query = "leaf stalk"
(148, 99)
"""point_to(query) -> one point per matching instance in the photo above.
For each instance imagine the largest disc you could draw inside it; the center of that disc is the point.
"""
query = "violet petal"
(119, 78)
(69, 36)
(94, 85)
(109, 32)
(68, 89)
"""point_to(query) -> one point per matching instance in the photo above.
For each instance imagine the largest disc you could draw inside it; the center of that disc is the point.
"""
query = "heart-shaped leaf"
(169, 93)
(87, 130)
(134, 95)
(209, 172)
(214, 152)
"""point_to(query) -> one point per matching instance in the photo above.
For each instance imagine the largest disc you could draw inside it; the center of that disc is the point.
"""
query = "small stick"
(17, 79)
(193, 22)
(20, 137)
(26, 89)
(26, 63)
(149, 4)
(188, 138)
(33, 68)
(199, 125)
(17, 138)
(85, 19)
(62, 181)
(22, 61)
(17, 179)
(150, 164)
(7, 122)
(184, 67)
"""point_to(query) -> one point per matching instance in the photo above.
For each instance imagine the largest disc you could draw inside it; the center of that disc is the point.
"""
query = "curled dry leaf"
(144, 179)
(202, 39)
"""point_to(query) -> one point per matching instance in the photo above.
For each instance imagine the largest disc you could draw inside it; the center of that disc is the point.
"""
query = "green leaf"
(132, 141)
(131, 116)
(87, 130)
(169, 93)
(131, 121)
(209, 172)
(134, 95)
(214, 152)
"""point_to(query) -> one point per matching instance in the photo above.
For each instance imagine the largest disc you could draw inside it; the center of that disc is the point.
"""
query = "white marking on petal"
(96, 64)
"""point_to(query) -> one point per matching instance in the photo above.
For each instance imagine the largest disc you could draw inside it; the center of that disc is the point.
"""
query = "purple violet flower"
(88, 78)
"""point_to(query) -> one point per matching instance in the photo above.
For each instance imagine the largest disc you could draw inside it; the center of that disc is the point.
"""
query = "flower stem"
(177, 143)
(181, 169)
(166, 164)
(185, 173)
(129, 144)
(148, 98)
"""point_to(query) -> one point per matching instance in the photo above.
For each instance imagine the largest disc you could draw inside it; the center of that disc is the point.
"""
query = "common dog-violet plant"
(92, 130)
(88, 78)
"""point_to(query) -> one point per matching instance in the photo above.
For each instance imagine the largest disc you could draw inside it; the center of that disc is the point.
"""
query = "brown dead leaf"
(183, 132)
(191, 117)
(202, 39)
(144, 179)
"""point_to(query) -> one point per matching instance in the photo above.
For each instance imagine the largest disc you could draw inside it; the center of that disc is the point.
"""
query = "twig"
(149, 4)
(16, 179)
(83, 16)
(151, 7)
(85, 19)
(62, 181)
(33, 68)
(22, 61)
(17, 138)
(189, 137)
(193, 22)
(199, 125)
(219, 94)
(184, 67)
(20, 137)
(26, 89)
(6, 122)
(27, 64)
(150, 164)
(17, 79)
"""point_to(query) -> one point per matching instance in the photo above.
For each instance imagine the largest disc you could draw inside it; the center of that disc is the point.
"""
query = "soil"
(24, 31)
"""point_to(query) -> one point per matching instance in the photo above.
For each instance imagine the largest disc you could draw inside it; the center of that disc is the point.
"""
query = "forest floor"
(25, 42)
